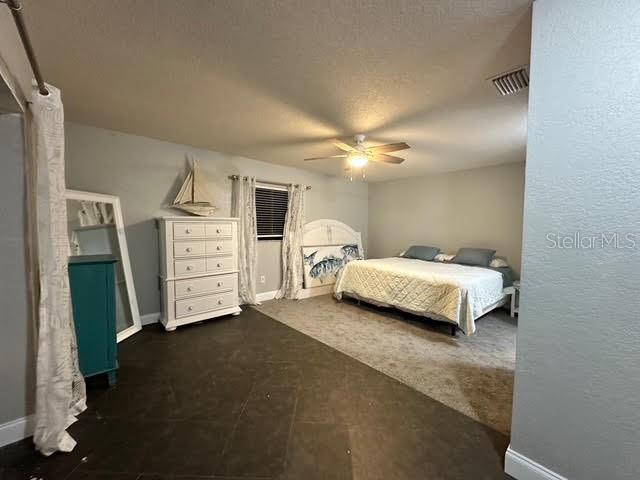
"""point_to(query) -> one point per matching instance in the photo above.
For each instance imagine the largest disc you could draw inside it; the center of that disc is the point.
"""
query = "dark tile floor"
(248, 397)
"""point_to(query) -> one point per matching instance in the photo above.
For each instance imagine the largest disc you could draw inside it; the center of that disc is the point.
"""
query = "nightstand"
(515, 298)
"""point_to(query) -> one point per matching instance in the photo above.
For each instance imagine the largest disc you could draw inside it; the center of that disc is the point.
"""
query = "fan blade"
(343, 146)
(326, 158)
(387, 158)
(389, 147)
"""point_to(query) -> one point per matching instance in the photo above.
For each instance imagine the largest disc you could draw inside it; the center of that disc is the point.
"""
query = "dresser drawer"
(208, 303)
(219, 246)
(220, 264)
(188, 230)
(189, 267)
(185, 249)
(197, 286)
(218, 229)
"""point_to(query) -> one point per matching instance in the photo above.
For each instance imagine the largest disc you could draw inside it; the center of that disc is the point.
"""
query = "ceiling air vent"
(511, 82)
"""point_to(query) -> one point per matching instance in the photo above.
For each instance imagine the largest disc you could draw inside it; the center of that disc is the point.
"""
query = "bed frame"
(453, 326)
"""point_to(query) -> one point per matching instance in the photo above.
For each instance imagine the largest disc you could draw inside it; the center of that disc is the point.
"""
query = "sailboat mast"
(193, 184)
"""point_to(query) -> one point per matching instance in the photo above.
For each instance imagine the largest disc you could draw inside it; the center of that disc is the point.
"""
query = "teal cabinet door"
(92, 282)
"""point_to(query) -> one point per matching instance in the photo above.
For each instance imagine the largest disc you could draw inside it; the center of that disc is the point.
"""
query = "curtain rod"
(237, 177)
(16, 11)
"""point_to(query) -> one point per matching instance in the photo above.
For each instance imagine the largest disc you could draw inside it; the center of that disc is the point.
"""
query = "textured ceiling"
(273, 80)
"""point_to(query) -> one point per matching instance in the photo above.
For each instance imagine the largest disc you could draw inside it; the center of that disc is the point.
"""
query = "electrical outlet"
(262, 279)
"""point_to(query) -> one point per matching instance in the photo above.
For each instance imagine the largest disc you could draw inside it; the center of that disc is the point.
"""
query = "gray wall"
(470, 208)
(577, 389)
(147, 173)
(16, 367)
(13, 57)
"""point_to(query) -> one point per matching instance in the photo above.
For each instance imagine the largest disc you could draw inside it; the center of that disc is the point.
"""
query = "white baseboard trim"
(149, 318)
(305, 293)
(317, 291)
(265, 296)
(523, 468)
(16, 430)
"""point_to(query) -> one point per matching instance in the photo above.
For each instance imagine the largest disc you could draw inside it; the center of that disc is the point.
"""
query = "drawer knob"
(219, 265)
(188, 230)
(220, 302)
(188, 249)
(188, 289)
(219, 284)
(189, 267)
(189, 308)
(218, 230)
(219, 247)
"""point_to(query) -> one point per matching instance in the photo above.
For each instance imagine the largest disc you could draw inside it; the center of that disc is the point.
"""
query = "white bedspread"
(444, 291)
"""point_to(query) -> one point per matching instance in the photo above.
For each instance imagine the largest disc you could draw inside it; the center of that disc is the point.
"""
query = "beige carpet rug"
(473, 375)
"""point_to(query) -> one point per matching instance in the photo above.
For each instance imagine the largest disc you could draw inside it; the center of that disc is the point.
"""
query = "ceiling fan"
(359, 156)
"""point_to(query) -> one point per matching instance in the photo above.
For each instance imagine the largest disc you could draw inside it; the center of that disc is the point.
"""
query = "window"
(271, 210)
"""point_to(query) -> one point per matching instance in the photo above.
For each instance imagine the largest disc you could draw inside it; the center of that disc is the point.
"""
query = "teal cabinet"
(92, 282)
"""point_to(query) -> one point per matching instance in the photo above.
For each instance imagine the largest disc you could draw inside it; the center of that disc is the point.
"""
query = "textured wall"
(470, 208)
(16, 348)
(577, 393)
(147, 173)
(12, 55)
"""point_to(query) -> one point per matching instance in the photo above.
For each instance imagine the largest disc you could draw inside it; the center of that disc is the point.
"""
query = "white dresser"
(198, 269)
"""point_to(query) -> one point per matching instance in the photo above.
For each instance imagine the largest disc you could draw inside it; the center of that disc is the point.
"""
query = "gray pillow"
(480, 257)
(421, 252)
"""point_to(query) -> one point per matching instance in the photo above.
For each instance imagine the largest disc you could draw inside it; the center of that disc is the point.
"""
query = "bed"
(448, 292)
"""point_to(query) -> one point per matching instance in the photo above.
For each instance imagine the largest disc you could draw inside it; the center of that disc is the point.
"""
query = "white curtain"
(60, 389)
(292, 268)
(243, 206)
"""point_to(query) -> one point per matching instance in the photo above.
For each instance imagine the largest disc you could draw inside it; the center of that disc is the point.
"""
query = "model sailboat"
(193, 196)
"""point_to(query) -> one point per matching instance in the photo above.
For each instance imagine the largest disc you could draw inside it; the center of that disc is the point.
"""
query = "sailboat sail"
(193, 196)
(184, 195)
(200, 192)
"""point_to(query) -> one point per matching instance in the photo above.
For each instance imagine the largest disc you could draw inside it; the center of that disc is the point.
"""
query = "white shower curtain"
(60, 388)
(292, 269)
(243, 206)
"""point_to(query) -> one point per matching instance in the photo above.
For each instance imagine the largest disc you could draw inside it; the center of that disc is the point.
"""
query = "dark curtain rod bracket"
(16, 11)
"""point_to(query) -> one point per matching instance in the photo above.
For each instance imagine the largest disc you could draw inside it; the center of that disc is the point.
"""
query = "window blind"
(271, 210)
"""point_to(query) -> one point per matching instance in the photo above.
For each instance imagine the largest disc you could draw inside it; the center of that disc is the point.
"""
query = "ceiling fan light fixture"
(358, 160)
(358, 156)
